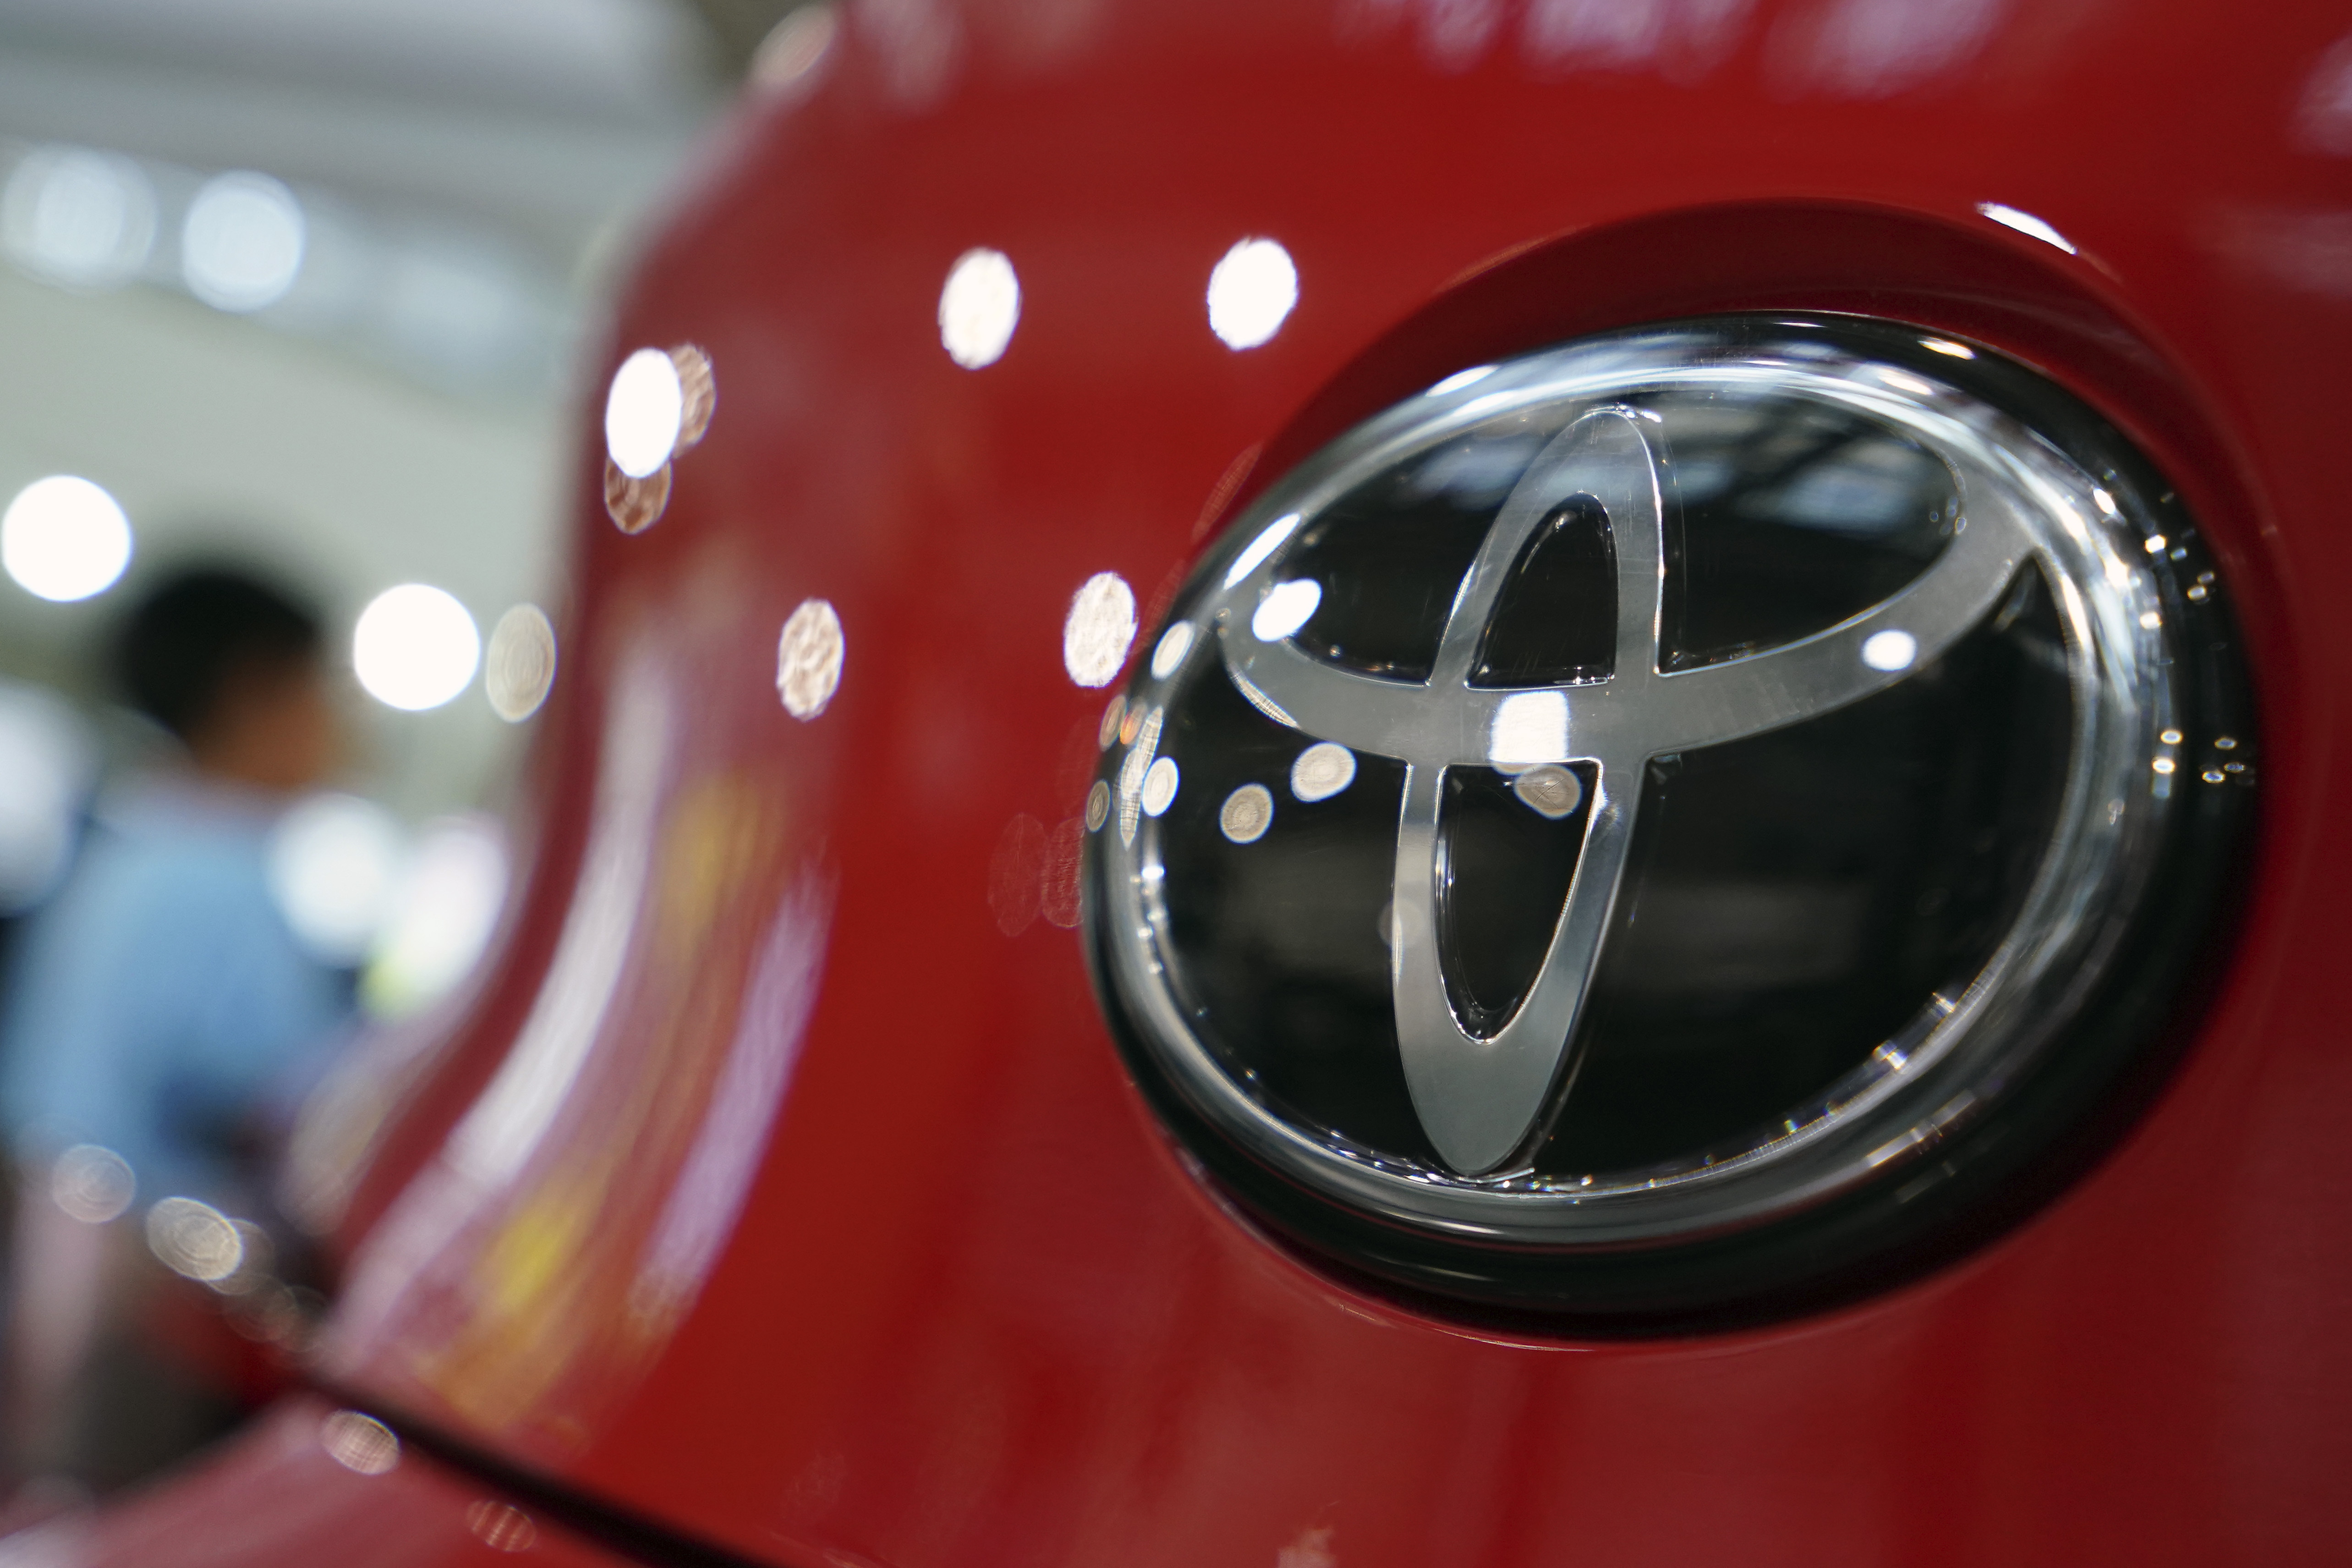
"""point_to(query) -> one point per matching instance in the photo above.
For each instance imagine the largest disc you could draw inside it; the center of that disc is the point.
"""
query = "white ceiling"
(504, 149)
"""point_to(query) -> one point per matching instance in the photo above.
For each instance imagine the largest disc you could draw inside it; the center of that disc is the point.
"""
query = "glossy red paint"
(277, 1496)
(972, 1310)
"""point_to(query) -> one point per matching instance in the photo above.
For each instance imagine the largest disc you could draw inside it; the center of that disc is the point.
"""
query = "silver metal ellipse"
(1485, 1102)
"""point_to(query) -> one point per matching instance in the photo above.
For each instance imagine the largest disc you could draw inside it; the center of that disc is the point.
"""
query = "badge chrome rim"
(1946, 1069)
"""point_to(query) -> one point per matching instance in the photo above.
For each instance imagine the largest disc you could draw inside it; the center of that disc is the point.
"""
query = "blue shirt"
(161, 998)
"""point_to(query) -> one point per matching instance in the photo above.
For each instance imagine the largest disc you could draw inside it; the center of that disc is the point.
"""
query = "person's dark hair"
(193, 632)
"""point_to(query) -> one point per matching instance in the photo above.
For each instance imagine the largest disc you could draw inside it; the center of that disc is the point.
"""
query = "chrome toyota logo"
(1415, 715)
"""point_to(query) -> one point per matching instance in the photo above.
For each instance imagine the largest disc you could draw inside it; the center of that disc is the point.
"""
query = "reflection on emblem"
(1478, 1098)
(1643, 792)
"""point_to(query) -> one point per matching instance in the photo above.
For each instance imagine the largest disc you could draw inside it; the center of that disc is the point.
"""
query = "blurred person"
(160, 1001)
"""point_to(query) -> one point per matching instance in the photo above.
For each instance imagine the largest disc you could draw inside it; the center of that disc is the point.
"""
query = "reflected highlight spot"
(787, 59)
(1890, 650)
(193, 1240)
(1247, 812)
(1098, 805)
(1549, 791)
(1114, 713)
(1946, 346)
(1268, 540)
(503, 1128)
(241, 248)
(1099, 629)
(65, 538)
(414, 647)
(1160, 784)
(645, 413)
(2025, 223)
(716, 1178)
(1174, 644)
(1059, 899)
(1252, 292)
(1013, 873)
(1460, 378)
(979, 308)
(521, 665)
(1529, 729)
(360, 1444)
(1286, 608)
(1322, 771)
(1132, 771)
(809, 655)
(91, 1183)
(499, 1526)
(634, 505)
(698, 394)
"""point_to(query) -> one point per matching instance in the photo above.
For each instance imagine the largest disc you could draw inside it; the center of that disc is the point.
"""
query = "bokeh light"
(92, 1183)
(416, 647)
(334, 865)
(360, 1444)
(48, 760)
(64, 538)
(444, 910)
(242, 246)
(979, 308)
(520, 666)
(77, 216)
(809, 654)
(644, 413)
(1251, 293)
(193, 1240)
(1099, 629)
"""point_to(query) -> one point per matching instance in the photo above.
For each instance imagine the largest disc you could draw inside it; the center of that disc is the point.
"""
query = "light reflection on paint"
(644, 412)
(635, 505)
(360, 1442)
(501, 1526)
(725, 1155)
(519, 667)
(1098, 629)
(2025, 223)
(979, 308)
(697, 386)
(1252, 291)
(499, 1135)
(809, 655)
(788, 61)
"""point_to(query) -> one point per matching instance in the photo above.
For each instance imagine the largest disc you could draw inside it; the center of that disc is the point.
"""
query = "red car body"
(834, 1234)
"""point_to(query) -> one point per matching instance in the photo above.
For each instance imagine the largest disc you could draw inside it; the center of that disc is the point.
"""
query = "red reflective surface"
(277, 1496)
(957, 1303)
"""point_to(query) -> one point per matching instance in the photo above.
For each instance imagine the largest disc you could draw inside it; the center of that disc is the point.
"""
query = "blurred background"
(303, 289)
(304, 284)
